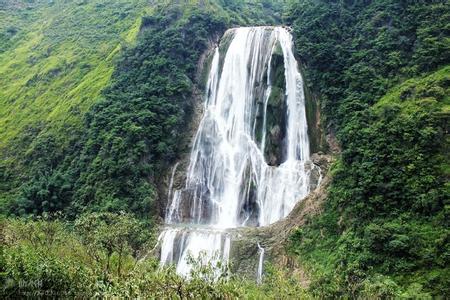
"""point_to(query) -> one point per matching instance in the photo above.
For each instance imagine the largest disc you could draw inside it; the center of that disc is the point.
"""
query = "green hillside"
(392, 246)
(381, 69)
(96, 100)
(55, 59)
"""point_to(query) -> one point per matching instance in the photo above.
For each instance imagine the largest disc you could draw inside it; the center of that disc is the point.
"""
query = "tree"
(107, 233)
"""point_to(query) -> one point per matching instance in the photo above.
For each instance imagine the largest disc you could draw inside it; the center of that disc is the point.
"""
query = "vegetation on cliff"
(380, 70)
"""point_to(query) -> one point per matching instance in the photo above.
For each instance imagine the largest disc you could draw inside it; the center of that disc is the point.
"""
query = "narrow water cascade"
(249, 163)
(259, 274)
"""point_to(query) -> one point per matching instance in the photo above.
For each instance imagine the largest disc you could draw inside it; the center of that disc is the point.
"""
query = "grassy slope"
(54, 61)
(423, 91)
(53, 72)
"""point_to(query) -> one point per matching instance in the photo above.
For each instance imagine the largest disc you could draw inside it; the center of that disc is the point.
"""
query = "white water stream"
(259, 274)
(229, 182)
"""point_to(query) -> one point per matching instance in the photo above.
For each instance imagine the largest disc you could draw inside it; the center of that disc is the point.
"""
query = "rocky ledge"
(274, 238)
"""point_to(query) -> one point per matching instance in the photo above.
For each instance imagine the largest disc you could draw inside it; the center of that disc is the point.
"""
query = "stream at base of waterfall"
(230, 182)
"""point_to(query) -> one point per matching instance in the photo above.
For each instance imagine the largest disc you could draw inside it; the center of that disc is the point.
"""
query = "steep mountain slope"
(381, 69)
(55, 59)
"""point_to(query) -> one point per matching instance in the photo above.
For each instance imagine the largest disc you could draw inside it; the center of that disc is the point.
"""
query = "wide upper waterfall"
(249, 163)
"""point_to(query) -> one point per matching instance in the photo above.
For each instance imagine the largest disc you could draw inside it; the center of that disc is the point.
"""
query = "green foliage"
(46, 257)
(41, 257)
(55, 58)
(110, 233)
(32, 273)
(357, 50)
(236, 12)
(385, 221)
(134, 133)
(107, 152)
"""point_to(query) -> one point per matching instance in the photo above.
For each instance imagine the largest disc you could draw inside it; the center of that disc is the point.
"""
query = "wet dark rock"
(244, 255)
(276, 114)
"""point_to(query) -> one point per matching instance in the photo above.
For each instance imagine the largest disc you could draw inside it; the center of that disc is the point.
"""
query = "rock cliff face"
(275, 151)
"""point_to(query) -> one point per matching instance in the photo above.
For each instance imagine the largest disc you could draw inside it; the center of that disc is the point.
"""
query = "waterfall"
(260, 264)
(233, 179)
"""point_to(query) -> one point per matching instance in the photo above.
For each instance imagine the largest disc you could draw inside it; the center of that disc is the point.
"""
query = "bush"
(31, 266)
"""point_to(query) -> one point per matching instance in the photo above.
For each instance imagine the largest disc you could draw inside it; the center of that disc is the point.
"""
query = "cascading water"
(233, 179)
(260, 264)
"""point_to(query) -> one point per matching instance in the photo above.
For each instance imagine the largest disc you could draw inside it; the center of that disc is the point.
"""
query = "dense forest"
(95, 106)
(381, 70)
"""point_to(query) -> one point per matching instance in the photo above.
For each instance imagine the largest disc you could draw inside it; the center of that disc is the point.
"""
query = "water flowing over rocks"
(250, 162)
(274, 238)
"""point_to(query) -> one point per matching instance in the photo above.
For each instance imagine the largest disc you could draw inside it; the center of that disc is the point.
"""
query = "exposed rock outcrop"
(274, 238)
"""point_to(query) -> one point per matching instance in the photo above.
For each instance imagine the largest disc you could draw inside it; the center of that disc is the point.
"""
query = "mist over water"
(230, 181)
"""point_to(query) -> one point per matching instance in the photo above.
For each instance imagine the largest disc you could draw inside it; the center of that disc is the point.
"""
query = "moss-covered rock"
(314, 118)
(276, 114)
